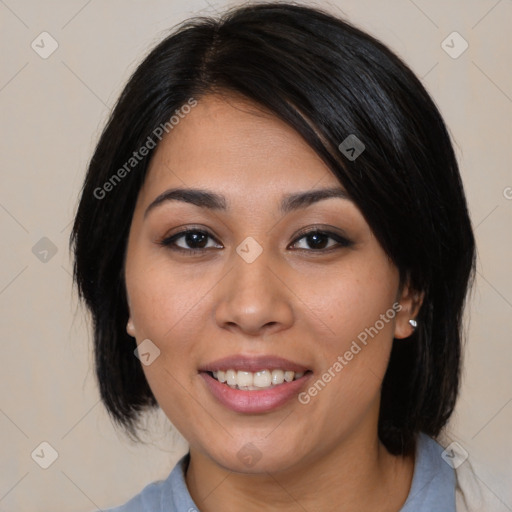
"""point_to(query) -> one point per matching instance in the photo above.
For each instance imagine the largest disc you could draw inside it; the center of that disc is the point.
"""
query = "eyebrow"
(214, 201)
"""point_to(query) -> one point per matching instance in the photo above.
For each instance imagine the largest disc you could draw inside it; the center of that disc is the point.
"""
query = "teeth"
(262, 379)
(249, 381)
(277, 376)
(288, 376)
(231, 378)
(244, 379)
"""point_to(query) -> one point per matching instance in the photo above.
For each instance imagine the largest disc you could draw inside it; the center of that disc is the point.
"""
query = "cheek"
(165, 308)
(353, 325)
(168, 307)
(161, 297)
(357, 308)
(348, 302)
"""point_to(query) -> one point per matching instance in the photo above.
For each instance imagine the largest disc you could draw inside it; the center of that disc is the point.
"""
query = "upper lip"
(253, 364)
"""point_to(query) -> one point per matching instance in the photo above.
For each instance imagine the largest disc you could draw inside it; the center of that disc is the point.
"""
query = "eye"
(196, 241)
(318, 240)
(190, 240)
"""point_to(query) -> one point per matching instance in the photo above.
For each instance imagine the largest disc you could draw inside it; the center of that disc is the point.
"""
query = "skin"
(293, 301)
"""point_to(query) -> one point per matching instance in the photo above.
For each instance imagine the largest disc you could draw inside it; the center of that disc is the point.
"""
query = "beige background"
(52, 111)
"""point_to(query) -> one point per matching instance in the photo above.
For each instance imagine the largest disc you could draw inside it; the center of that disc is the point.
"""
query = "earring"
(413, 323)
(130, 328)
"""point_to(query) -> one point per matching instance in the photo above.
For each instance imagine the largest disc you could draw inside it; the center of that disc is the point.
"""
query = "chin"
(256, 458)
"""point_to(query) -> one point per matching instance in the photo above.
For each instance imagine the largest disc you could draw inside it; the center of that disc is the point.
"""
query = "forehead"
(229, 141)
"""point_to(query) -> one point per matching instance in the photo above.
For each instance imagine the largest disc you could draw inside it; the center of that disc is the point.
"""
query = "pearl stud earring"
(130, 328)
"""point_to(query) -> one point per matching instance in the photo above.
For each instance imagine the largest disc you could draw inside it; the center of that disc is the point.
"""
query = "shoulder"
(169, 495)
(433, 482)
(148, 500)
(470, 494)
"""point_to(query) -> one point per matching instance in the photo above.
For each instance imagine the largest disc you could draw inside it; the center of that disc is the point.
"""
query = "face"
(271, 283)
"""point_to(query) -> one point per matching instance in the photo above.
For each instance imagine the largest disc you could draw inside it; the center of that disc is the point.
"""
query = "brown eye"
(317, 240)
(190, 240)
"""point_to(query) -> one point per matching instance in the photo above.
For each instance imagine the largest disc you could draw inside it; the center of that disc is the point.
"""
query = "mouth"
(254, 384)
(255, 381)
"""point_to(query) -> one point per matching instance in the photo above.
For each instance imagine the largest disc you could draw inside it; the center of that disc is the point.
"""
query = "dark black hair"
(328, 80)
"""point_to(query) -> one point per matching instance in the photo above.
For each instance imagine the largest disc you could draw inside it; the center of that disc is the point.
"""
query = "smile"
(254, 381)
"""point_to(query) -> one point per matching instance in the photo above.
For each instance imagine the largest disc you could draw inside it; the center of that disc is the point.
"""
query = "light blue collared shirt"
(432, 488)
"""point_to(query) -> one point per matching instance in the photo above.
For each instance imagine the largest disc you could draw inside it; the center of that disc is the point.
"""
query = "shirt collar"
(432, 487)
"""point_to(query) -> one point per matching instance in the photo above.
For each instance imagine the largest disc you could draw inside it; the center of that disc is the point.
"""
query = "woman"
(274, 243)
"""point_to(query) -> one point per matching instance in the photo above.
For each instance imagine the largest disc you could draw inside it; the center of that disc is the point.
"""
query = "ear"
(130, 328)
(410, 301)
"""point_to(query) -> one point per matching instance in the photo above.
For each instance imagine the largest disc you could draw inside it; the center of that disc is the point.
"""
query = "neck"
(356, 475)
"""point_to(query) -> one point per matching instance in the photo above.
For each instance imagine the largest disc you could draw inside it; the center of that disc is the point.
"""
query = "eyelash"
(169, 242)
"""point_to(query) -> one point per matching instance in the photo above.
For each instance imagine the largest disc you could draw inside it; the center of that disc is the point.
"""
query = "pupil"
(198, 239)
(318, 241)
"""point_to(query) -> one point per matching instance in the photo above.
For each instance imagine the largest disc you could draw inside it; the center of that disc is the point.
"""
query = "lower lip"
(264, 400)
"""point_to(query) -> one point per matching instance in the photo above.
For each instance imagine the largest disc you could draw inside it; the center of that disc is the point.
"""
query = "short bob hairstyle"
(327, 80)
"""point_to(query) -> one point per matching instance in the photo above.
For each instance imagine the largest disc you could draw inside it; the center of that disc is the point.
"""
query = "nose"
(254, 298)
